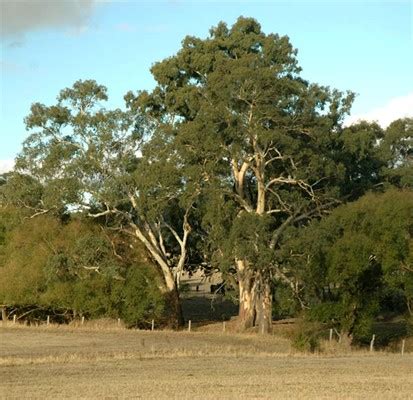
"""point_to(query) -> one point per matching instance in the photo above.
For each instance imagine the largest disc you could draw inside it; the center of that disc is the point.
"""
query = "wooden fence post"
(403, 344)
(189, 326)
(372, 342)
(153, 325)
(223, 326)
(331, 335)
(83, 320)
(4, 314)
(14, 318)
(48, 320)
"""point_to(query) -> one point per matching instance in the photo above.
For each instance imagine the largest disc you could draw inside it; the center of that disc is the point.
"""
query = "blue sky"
(364, 46)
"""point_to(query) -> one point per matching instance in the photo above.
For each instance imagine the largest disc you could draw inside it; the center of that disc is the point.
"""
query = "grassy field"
(108, 363)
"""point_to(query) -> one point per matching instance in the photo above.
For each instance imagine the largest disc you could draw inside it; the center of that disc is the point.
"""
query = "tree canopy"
(263, 138)
(222, 164)
(347, 263)
(82, 157)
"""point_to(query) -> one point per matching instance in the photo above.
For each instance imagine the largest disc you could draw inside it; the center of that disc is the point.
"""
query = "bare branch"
(279, 156)
(278, 232)
(96, 269)
(160, 238)
(101, 214)
(291, 181)
(286, 208)
(42, 212)
(274, 211)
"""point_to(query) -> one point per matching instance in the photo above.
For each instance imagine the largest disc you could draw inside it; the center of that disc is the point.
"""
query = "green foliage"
(362, 158)
(264, 141)
(141, 300)
(86, 255)
(396, 149)
(77, 146)
(284, 305)
(22, 265)
(71, 268)
(306, 337)
(353, 258)
(249, 238)
(228, 159)
(374, 156)
(113, 166)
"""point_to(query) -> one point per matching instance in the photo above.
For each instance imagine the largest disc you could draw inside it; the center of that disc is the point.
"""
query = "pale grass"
(110, 362)
(92, 325)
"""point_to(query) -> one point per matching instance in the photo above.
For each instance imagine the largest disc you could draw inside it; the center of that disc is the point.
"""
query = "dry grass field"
(109, 363)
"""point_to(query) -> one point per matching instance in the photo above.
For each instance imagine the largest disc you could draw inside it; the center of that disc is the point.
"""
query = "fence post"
(372, 342)
(4, 314)
(48, 320)
(403, 343)
(223, 326)
(331, 335)
(189, 326)
(83, 320)
(153, 325)
(118, 321)
(14, 318)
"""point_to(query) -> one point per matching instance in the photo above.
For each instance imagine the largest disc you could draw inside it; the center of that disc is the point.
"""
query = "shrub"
(141, 299)
(307, 337)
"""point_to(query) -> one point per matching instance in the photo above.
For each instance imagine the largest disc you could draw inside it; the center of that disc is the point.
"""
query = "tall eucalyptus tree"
(262, 138)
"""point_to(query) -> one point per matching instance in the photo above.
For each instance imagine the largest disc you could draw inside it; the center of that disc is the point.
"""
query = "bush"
(54, 268)
(307, 337)
(141, 299)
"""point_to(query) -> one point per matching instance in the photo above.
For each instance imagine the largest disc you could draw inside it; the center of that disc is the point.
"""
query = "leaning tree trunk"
(173, 302)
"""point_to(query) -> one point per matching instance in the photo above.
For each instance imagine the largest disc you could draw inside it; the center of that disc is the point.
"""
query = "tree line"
(233, 162)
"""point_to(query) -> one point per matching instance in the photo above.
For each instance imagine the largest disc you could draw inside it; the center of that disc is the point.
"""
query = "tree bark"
(247, 311)
(162, 263)
(156, 248)
(174, 309)
(264, 306)
(255, 300)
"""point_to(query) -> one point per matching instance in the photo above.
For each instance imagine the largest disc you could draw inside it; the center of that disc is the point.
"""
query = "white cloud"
(6, 166)
(398, 107)
(21, 16)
